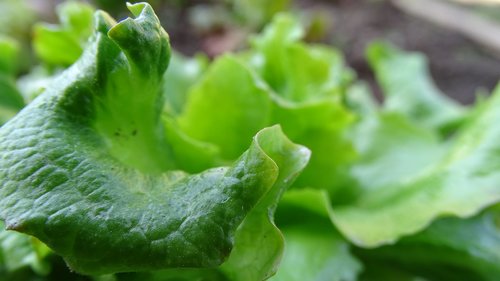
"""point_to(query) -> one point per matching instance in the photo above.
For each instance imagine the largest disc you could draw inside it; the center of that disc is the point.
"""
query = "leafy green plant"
(70, 35)
(140, 164)
(110, 174)
(10, 97)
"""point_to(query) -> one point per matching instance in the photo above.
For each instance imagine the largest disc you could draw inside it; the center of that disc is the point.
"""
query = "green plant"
(121, 165)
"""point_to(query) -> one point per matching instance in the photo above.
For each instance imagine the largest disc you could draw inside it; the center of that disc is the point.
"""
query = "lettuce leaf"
(314, 249)
(461, 249)
(259, 243)
(19, 250)
(461, 183)
(279, 81)
(181, 74)
(220, 109)
(411, 91)
(86, 167)
(71, 35)
(386, 140)
(11, 100)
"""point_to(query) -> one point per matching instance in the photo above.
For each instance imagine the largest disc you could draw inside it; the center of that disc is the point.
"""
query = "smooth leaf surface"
(385, 140)
(412, 91)
(316, 253)
(314, 250)
(462, 183)
(11, 100)
(20, 250)
(15, 18)
(461, 249)
(9, 55)
(62, 45)
(181, 74)
(221, 108)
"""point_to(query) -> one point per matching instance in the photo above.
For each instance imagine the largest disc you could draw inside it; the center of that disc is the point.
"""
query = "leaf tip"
(103, 22)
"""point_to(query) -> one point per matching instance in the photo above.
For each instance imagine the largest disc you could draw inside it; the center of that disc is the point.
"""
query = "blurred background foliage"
(461, 65)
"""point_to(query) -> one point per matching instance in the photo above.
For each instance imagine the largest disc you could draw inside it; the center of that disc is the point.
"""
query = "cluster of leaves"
(122, 165)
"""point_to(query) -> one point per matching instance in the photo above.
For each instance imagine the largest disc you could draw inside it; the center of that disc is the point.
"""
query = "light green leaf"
(386, 141)
(221, 108)
(181, 74)
(462, 183)
(314, 250)
(258, 242)
(230, 104)
(294, 70)
(86, 167)
(360, 99)
(77, 17)
(9, 55)
(257, 12)
(316, 253)
(11, 100)
(62, 45)
(322, 127)
(409, 89)
(450, 249)
(191, 155)
(19, 250)
(309, 83)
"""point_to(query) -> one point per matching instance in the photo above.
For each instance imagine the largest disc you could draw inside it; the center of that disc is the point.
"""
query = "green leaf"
(381, 271)
(230, 103)
(190, 154)
(20, 250)
(11, 100)
(309, 83)
(257, 12)
(385, 140)
(294, 70)
(86, 167)
(314, 250)
(360, 99)
(173, 275)
(77, 17)
(181, 74)
(258, 242)
(450, 249)
(9, 55)
(462, 183)
(409, 89)
(322, 127)
(221, 108)
(62, 45)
